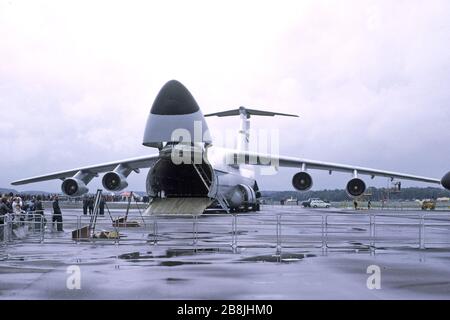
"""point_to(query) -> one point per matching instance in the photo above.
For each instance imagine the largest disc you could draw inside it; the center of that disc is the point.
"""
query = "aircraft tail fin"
(244, 130)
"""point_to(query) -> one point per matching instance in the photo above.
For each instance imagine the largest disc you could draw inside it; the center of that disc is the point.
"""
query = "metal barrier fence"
(365, 231)
(24, 226)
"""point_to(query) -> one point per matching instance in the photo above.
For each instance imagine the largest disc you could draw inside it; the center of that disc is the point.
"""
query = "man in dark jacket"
(39, 211)
(4, 209)
(101, 206)
(57, 215)
(85, 205)
(91, 205)
(38, 206)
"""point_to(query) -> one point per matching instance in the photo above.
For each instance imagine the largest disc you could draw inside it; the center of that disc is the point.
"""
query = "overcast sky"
(369, 79)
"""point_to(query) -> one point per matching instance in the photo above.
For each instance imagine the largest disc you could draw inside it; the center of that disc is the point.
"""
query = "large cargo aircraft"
(190, 174)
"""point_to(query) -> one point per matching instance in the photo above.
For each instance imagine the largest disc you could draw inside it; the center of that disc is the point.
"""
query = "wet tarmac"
(278, 253)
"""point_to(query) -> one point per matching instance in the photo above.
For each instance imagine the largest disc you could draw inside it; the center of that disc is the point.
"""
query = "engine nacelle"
(73, 187)
(242, 195)
(356, 187)
(445, 181)
(302, 181)
(114, 181)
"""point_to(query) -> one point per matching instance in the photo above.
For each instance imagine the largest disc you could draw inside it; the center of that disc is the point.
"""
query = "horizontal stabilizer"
(248, 113)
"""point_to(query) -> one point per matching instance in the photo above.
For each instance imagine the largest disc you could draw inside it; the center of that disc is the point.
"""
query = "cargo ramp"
(178, 206)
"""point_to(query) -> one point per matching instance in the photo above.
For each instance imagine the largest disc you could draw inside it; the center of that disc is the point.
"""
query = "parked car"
(307, 203)
(319, 204)
(428, 204)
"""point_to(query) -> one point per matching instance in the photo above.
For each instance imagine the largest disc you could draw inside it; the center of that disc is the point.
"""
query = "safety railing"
(29, 227)
(325, 230)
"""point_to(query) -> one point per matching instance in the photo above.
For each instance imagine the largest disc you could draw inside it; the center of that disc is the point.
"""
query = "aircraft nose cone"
(174, 99)
(445, 181)
(175, 108)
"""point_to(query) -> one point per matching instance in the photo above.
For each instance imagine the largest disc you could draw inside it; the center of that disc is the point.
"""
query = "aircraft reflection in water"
(179, 181)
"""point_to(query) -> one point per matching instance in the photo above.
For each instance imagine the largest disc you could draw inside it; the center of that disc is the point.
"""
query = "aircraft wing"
(242, 157)
(133, 163)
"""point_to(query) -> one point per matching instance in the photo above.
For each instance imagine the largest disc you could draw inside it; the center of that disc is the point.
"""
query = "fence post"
(422, 232)
(234, 232)
(77, 238)
(278, 231)
(155, 230)
(33, 223)
(6, 228)
(372, 232)
(323, 231)
(194, 230)
(42, 229)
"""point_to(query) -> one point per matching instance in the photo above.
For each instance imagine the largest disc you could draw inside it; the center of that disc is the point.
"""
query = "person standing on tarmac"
(91, 205)
(39, 210)
(85, 205)
(57, 215)
(355, 204)
(101, 206)
(4, 209)
(17, 206)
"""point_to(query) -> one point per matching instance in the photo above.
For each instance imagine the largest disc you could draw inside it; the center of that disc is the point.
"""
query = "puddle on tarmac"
(170, 263)
(176, 280)
(284, 257)
(170, 253)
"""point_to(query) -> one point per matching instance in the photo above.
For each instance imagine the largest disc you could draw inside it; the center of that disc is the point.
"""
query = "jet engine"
(356, 187)
(242, 195)
(73, 187)
(302, 181)
(114, 181)
(445, 181)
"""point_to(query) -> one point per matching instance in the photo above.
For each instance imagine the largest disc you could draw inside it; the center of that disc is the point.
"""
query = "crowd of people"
(51, 196)
(111, 198)
(29, 208)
